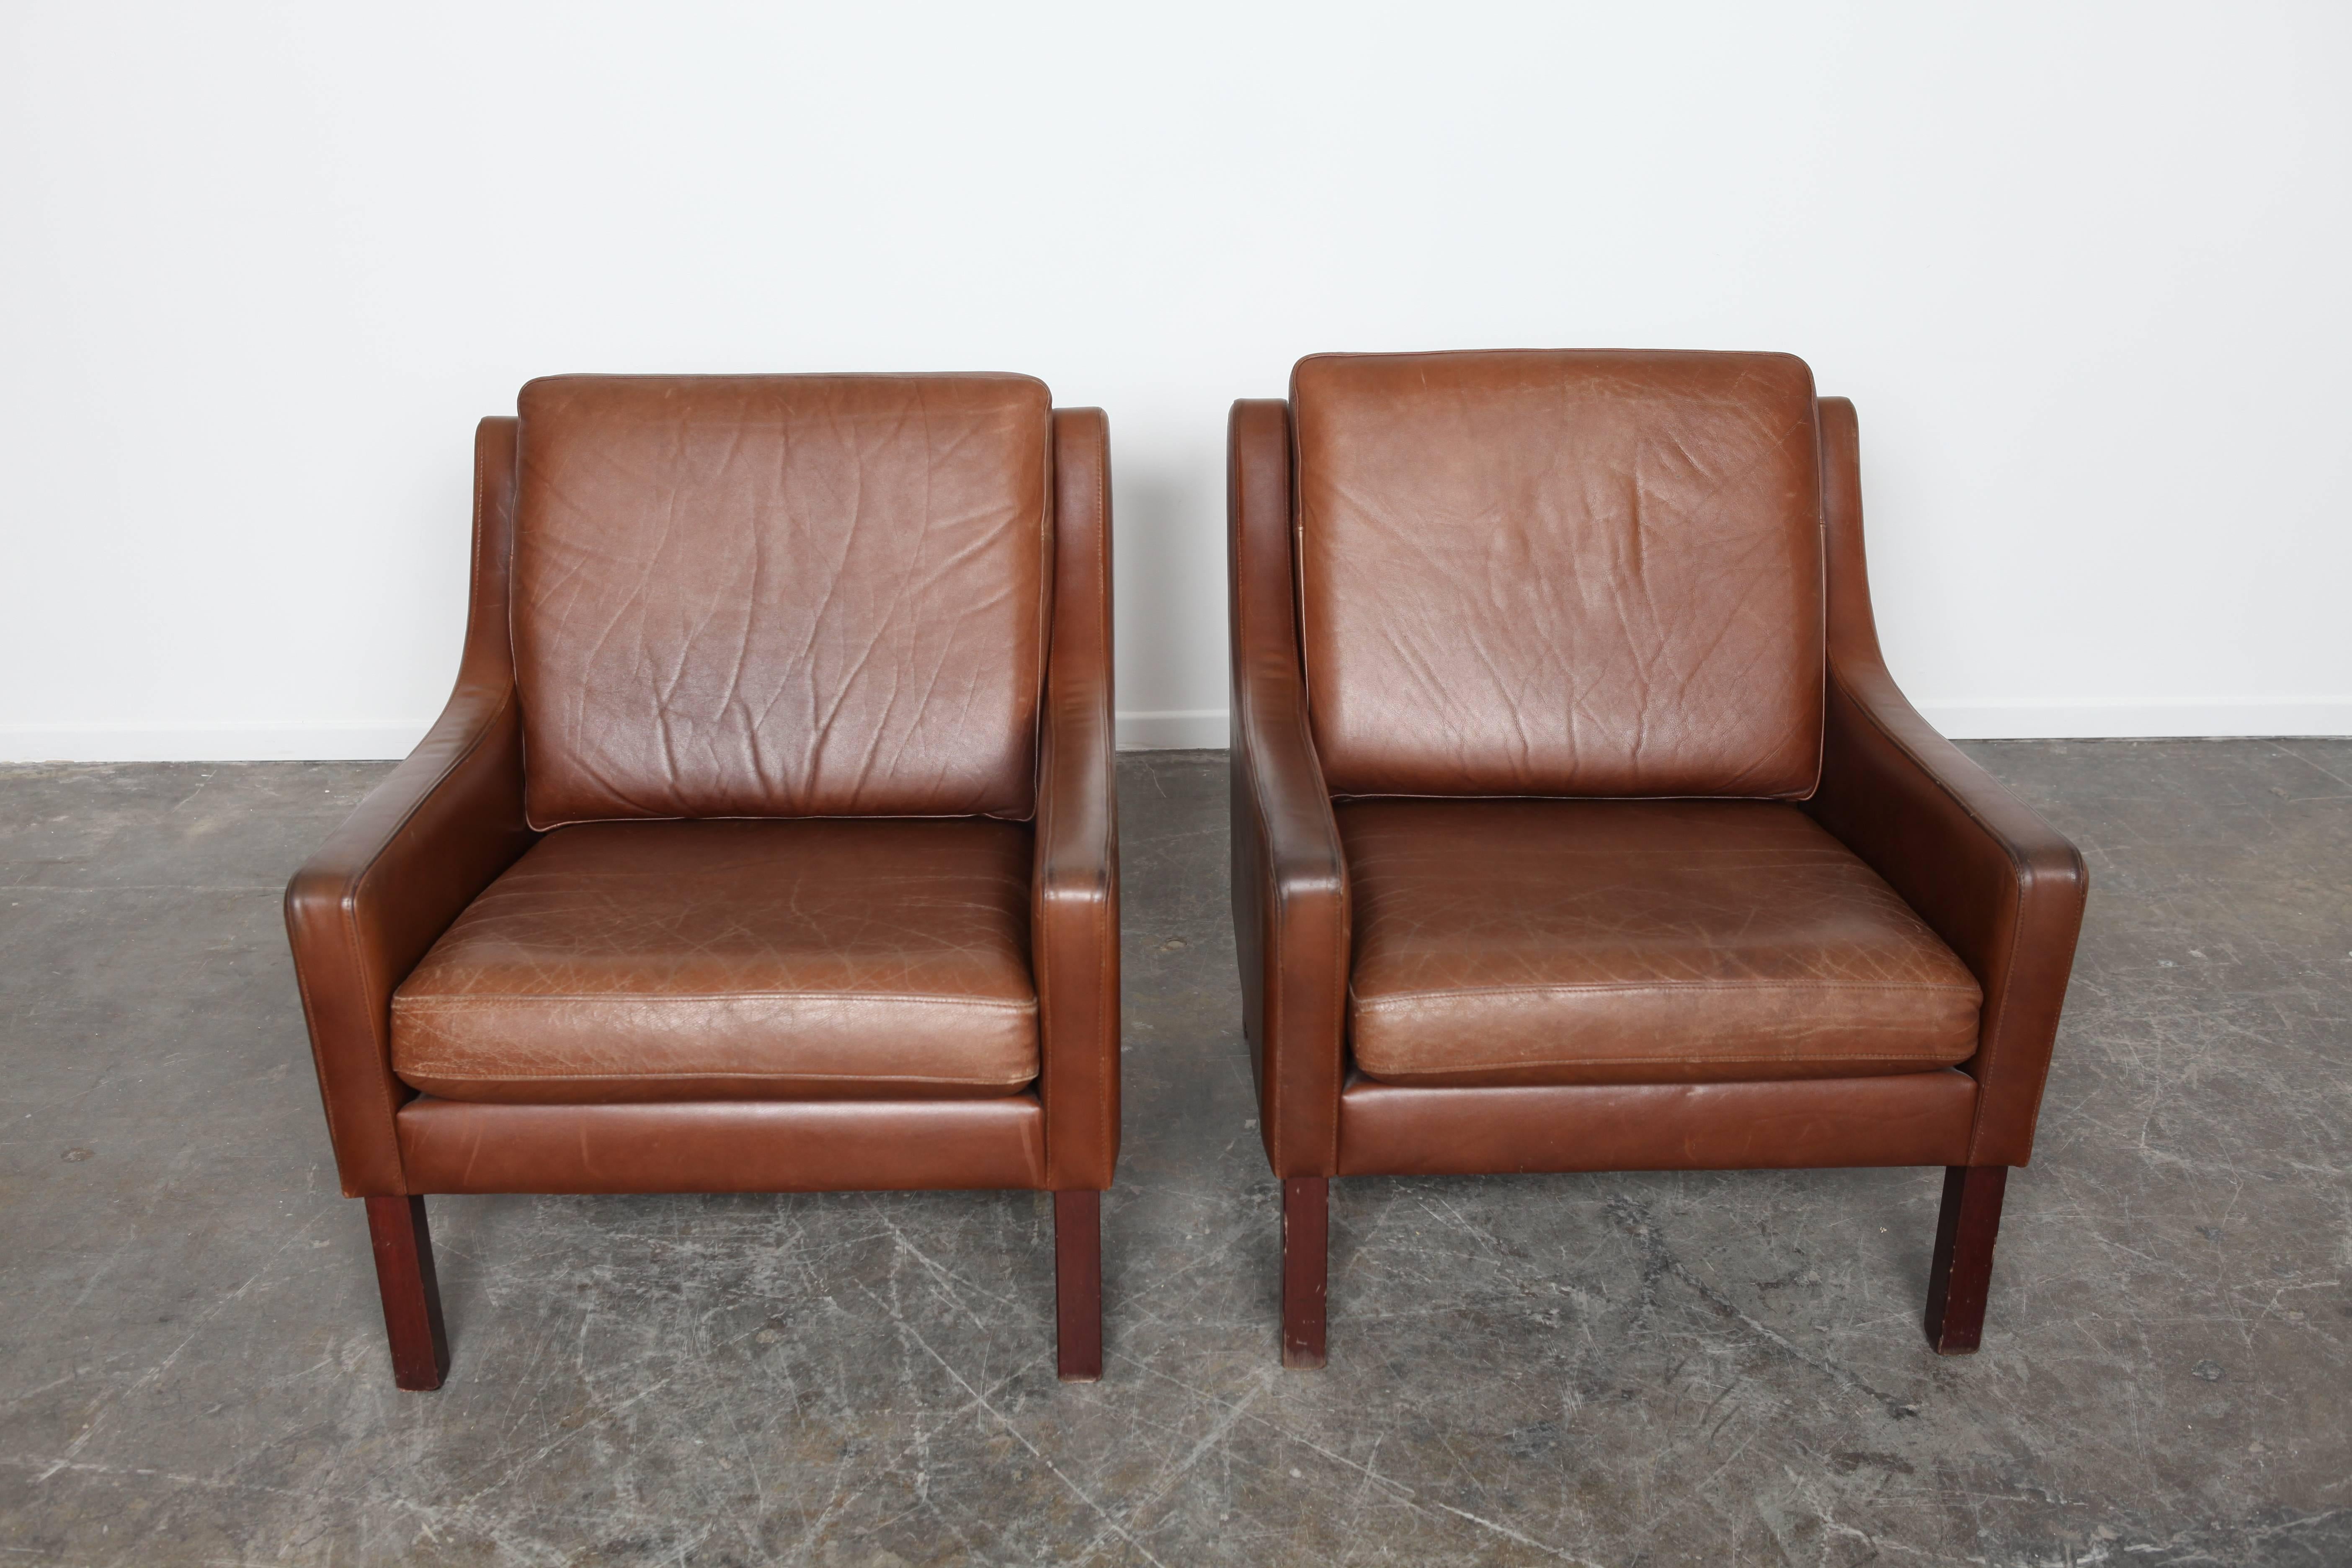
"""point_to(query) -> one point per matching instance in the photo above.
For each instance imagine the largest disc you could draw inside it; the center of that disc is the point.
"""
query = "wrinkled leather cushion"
(1634, 942)
(795, 595)
(787, 959)
(1592, 572)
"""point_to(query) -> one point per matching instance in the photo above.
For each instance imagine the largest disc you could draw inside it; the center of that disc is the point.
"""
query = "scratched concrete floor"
(1653, 1369)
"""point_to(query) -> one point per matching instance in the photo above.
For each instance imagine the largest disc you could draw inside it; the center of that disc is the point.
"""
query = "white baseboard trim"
(1176, 729)
(2217, 716)
(209, 743)
(2283, 716)
(1179, 729)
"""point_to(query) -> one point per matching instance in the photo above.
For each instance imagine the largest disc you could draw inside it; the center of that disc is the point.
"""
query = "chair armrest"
(1997, 883)
(1289, 874)
(420, 847)
(1074, 886)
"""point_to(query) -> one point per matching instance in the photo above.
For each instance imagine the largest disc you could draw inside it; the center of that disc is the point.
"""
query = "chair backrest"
(1590, 572)
(793, 595)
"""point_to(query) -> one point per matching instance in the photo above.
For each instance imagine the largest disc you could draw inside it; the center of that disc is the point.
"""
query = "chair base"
(1958, 1280)
(1961, 1278)
(1306, 1268)
(411, 1292)
(403, 1243)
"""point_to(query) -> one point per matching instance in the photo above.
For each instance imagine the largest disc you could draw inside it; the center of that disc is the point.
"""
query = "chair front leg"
(411, 1295)
(1306, 1267)
(1961, 1274)
(1077, 1285)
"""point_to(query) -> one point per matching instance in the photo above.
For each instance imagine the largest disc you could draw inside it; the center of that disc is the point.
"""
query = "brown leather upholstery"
(1014, 925)
(768, 841)
(1591, 941)
(1390, 566)
(386, 884)
(735, 1146)
(1561, 574)
(1997, 883)
(1908, 1118)
(780, 595)
(1637, 578)
(1289, 873)
(1073, 886)
(843, 958)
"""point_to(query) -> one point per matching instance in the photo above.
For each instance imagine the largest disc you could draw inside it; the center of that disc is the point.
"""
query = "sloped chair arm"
(1289, 874)
(2000, 885)
(421, 846)
(1075, 882)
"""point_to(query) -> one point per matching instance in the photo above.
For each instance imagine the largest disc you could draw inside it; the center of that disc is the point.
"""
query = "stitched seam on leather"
(1665, 1060)
(1398, 997)
(458, 1071)
(529, 998)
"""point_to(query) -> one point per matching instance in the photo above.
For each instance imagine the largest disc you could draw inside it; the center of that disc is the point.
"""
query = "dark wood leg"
(412, 1296)
(1962, 1273)
(1077, 1285)
(1306, 1267)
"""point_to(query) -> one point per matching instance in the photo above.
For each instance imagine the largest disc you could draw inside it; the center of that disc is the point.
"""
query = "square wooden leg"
(411, 1295)
(1961, 1274)
(1077, 1285)
(1306, 1267)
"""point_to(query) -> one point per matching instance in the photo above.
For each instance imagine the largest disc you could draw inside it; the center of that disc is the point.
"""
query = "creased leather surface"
(1289, 877)
(1634, 942)
(1075, 884)
(780, 595)
(1914, 1118)
(1581, 573)
(363, 909)
(825, 1146)
(681, 961)
(1997, 883)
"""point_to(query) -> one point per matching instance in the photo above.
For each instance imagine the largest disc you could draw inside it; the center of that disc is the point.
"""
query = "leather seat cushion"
(1541, 942)
(822, 958)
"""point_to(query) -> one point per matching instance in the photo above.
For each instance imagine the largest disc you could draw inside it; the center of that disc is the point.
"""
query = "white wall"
(2083, 268)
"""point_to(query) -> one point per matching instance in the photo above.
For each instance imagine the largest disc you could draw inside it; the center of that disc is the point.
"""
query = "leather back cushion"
(805, 595)
(1593, 572)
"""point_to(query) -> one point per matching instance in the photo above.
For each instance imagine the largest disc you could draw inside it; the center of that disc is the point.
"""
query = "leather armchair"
(1577, 824)
(768, 842)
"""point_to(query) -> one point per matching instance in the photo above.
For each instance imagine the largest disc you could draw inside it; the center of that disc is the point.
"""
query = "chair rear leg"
(1077, 1285)
(411, 1295)
(1961, 1276)
(1306, 1267)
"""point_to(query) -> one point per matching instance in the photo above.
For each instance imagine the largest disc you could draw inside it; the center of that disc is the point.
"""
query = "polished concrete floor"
(1652, 1369)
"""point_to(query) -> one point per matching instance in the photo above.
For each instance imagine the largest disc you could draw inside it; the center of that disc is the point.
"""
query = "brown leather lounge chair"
(1577, 823)
(766, 844)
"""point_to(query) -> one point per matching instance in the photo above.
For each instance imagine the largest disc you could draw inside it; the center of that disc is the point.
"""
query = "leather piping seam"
(1406, 998)
(530, 999)
(1377, 1074)
(459, 1073)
